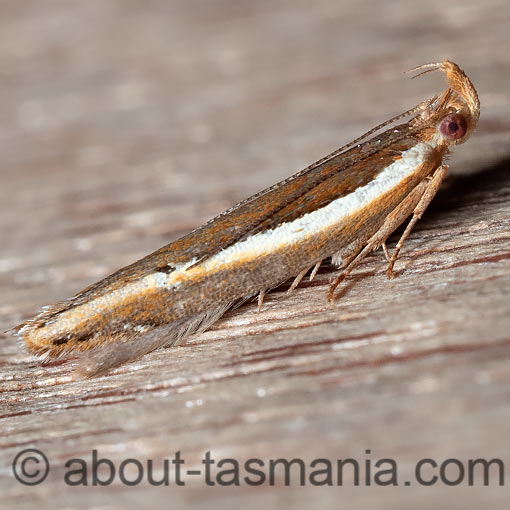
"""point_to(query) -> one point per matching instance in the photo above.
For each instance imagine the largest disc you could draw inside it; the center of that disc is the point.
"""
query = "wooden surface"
(124, 126)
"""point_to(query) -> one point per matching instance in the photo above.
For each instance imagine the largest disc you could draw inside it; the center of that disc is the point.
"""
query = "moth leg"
(260, 300)
(296, 281)
(426, 198)
(315, 269)
(385, 251)
(392, 221)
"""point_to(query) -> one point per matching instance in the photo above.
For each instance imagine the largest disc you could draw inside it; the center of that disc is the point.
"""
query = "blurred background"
(125, 124)
(122, 119)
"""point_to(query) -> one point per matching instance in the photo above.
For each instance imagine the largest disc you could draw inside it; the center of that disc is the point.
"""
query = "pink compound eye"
(453, 127)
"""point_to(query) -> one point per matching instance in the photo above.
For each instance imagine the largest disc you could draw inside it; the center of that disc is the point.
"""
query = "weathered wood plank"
(123, 128)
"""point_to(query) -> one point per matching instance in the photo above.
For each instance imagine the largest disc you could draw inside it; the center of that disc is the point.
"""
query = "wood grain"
(124, 127)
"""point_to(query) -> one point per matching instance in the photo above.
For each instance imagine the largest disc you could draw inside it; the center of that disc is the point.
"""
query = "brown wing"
(314, 187)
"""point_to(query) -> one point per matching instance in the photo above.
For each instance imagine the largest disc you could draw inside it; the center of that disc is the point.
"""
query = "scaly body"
(342, 206)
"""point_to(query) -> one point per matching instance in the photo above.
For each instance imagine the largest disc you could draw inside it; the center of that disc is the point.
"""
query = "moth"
(343, 206)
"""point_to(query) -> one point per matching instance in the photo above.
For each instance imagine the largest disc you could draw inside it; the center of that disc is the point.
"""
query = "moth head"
(454, 128)
(454, 113)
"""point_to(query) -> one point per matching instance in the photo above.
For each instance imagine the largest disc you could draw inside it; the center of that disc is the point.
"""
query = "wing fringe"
(102, 359)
